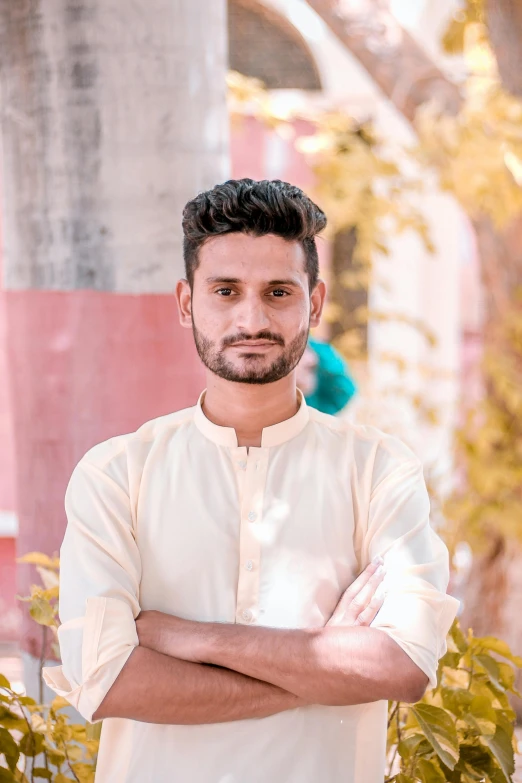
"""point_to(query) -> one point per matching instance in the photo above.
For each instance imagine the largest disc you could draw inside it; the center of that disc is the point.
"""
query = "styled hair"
(256, 208)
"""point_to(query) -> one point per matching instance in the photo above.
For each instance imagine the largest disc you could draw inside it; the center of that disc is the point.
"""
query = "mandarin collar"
(274, 435)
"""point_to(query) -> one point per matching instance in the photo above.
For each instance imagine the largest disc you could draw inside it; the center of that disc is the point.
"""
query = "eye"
(224, 291)
(279, 293)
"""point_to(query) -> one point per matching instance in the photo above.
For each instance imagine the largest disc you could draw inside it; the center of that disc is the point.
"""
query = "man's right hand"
(359, 603)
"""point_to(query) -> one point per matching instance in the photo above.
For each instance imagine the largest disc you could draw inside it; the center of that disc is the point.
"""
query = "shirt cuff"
(419, 622)
(109, 637)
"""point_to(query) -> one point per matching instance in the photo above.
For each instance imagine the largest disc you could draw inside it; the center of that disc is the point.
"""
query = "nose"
(252, 315)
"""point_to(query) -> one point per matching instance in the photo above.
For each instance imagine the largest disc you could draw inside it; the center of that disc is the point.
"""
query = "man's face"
(250, 307)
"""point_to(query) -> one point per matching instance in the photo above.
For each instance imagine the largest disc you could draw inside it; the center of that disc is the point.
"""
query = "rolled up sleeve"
(417, 613)
(100, 572)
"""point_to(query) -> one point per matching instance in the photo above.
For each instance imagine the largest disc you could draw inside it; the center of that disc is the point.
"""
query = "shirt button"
(242, 464)
(252, 516)
(249, 565)
(247, 615)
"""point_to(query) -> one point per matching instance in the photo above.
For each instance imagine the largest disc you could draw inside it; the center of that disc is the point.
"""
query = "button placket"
(249, 543)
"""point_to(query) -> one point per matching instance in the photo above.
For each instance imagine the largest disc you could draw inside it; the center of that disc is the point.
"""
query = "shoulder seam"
(123, 445)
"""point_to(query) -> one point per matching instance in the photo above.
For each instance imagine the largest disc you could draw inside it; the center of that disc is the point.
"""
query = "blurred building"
(286, 45)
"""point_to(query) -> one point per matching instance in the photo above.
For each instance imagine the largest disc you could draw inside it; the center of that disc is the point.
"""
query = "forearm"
(155, 688)
(333, 665)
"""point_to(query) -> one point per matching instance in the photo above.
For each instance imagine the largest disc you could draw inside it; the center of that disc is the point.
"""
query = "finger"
(369, 614)
(354, 599)
(362, 579)
(365, 595)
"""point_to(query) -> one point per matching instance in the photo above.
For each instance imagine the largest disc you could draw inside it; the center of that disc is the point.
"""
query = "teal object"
(334, 385)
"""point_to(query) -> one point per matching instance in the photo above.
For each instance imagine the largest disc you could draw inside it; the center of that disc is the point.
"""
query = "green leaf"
(10, 720)
(4, 682)
(502, 749)
(455, 678)
(450, 659)
(93, 730)
(507, 677)
(55, 755)
(490, 665)
(31, 743)
(42, 611)
(84, 772)
(42, 772)
(498, 646)
(26, 700)
(408, 745)
(9, 747)
(429, 771)
(59, 703)
(458, 637)
(6, 776)
(440, 731)
(457, 700)
(481, 716)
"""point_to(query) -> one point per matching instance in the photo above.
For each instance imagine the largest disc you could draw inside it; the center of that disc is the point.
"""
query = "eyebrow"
(223, 280)
(236, 280)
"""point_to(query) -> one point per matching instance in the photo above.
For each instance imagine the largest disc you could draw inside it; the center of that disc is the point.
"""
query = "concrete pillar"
(113, 116)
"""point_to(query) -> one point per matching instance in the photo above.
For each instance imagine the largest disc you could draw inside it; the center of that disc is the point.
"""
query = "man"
(210, 609)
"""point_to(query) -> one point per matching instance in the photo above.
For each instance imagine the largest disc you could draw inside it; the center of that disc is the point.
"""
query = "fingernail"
(377, 560)
(379, 571)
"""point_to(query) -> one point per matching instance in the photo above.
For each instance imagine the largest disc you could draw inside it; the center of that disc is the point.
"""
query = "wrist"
(181, 638)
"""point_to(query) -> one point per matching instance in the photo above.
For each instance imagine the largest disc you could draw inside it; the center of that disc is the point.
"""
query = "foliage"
(39, 741)
(470, 19)
(478, 153)
(490, 446)
(462, 730)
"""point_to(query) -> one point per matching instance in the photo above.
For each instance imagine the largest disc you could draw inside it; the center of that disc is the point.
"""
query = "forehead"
(250, 258)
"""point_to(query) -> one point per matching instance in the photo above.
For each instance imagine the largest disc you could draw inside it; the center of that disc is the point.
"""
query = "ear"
(317, 300)
(184, 300)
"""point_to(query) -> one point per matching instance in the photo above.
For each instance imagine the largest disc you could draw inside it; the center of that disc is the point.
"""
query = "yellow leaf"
(39, 558)
(59, 702)
(42, 611)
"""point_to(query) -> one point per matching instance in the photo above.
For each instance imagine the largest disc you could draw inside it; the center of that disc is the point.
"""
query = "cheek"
(207, 315)
(294, 318)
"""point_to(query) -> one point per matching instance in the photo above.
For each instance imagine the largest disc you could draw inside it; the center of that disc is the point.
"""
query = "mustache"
(243, 337)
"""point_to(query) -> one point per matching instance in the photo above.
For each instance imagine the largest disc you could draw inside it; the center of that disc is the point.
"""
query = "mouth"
(256, 346)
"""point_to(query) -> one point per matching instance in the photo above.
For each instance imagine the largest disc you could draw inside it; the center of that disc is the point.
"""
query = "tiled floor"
(11, 667)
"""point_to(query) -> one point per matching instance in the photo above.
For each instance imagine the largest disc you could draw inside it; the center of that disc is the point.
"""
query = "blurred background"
(402, 119)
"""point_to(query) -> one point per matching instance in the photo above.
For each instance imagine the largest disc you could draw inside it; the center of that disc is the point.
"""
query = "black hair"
(256, 208)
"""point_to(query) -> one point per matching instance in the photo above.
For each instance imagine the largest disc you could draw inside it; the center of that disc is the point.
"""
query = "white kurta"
(177, 517)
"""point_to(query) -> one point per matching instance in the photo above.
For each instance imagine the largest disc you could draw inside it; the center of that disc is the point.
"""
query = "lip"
(253, 347)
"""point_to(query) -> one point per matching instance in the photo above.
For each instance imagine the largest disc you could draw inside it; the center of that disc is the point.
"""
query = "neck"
(249, 408)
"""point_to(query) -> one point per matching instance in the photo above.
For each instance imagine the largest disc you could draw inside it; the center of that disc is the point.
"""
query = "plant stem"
(393, 714)
(30, 729)
(69, 761)
(41, 664)
(397, 714)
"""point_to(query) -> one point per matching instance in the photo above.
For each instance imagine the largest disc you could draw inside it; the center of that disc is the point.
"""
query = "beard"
(253, 369)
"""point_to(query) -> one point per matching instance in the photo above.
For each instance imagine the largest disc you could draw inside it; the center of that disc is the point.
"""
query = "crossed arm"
(193, 673)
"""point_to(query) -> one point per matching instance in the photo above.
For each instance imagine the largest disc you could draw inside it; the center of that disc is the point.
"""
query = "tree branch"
(504, 22)
(393, 59)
